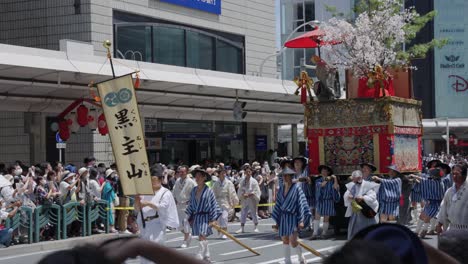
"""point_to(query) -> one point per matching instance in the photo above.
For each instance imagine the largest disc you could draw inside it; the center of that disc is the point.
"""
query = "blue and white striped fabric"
(290, 210)
(416, 193)
(307, 189)
(326, 197)
(389, 196)
(447, 181)
(432, 191)
(202, 212)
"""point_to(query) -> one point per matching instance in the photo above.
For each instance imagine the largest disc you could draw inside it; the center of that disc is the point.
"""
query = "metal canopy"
(38, 80)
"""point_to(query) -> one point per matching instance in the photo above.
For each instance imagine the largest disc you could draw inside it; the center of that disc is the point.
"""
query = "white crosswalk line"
(225, 241)
(281, 260)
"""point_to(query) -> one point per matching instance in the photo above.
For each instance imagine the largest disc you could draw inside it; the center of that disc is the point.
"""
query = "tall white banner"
(126, 133)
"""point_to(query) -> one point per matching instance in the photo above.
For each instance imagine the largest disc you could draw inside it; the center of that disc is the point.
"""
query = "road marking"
(245, 250)
(224, 241)
(28, 254)
(305, 254)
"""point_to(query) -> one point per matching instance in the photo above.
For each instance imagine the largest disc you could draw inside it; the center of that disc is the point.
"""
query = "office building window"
(305, 12)
(180, 46)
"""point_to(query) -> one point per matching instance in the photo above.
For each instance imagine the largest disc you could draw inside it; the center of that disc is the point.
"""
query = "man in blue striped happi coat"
(389, 195)
(432, 191)
(291, 213)
(202, 211)
(327, 191)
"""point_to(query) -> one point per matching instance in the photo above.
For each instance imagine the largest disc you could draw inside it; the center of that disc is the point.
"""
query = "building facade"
(195, 62)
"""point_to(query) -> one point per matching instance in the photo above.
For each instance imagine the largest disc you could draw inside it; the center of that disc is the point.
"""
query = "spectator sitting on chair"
(6, 234)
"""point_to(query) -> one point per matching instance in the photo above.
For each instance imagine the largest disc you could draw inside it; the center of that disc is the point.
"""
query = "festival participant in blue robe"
(202, 211)
(327, 193)
(285, 162)
(447, 177)
(302, 176)
(432, 191)
(389, 195)
(367, 169)
(291, 213)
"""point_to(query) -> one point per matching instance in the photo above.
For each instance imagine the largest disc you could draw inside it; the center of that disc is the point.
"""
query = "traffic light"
(238, 110)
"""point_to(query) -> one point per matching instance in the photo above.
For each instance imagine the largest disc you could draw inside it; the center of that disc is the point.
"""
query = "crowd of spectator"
(56, 183)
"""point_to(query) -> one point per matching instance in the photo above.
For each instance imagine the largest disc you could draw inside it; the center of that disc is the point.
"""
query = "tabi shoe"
(240, 231)
(187, 242)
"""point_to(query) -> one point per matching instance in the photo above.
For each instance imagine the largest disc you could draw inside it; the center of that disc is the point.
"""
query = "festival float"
(379, 122)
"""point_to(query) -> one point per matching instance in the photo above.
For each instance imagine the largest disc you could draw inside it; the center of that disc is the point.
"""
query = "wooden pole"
(224, 232)
(311, 250)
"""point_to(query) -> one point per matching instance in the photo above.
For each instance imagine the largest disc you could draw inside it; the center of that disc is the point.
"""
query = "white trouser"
(183, 223)
(223, 218)
(249, 204)
(154, 231)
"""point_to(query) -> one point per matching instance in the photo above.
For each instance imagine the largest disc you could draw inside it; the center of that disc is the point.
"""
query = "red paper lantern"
(102, 125)
(72, 122)
(93, 119)
(82, 115)
(64, 131)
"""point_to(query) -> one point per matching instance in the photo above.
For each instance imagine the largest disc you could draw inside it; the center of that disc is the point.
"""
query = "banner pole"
(107, 44)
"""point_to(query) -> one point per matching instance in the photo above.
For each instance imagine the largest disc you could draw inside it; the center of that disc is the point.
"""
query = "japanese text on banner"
(125, 130)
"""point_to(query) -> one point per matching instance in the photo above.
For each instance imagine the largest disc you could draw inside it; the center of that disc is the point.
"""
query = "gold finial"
(107, 44)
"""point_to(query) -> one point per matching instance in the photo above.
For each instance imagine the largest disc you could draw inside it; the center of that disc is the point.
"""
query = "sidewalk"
(55, 245)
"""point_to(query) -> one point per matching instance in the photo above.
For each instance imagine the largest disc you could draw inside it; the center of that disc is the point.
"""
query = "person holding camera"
(6, 234)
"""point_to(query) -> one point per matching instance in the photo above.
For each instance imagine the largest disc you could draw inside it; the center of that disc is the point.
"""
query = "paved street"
(226, 251)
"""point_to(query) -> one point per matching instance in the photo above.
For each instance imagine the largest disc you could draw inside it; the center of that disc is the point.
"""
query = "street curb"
(56, 244)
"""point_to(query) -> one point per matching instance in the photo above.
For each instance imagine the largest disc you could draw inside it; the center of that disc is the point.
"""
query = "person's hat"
(438, 162)
(193, 167)
(394, 168)
(70, 168)
(368, 164)
(255, 164)
(109, 172)
(329, 169)
(68, 176)
(288, 171)
(445, 167)
(402, 241)
(258, 167)
(81, 171)
(246, 166)
(285, 160)
(301, 158)
(203, 172)
(9, 177)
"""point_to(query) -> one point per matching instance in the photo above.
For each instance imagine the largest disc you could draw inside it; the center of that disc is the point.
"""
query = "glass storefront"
(179, 45)
(192, 142)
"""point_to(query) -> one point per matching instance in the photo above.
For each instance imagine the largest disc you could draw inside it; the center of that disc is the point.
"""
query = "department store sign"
(451, 73)
(211, 6)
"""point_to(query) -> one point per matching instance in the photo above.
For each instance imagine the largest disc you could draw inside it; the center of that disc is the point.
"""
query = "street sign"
(61, 145)
(58, 139)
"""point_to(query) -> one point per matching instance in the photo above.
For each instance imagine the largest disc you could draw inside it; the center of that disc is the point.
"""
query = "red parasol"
(311, 39)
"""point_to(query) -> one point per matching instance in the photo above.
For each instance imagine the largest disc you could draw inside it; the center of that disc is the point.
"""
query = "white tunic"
(167, 212)
(225, 194)
(367, 191)
(251, 187)
(453, 212)
(182, 190)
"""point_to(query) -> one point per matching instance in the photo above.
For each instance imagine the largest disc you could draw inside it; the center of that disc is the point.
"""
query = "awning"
(39, 80)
